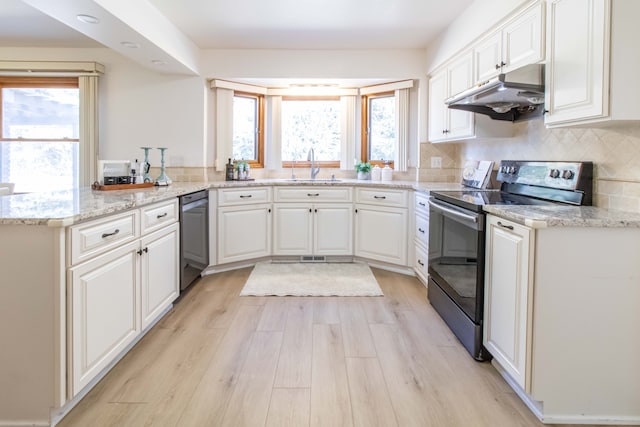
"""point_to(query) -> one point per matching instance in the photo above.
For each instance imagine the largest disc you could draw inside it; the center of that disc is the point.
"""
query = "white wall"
(477, 19)
(139, 107)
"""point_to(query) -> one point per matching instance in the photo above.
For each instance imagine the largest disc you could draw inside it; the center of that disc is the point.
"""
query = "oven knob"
(512, 170)
(504, 169)
(567, 174)
(554, 173)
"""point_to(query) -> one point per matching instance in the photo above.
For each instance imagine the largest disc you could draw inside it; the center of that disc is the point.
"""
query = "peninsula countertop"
(542, 216)
(67, 207)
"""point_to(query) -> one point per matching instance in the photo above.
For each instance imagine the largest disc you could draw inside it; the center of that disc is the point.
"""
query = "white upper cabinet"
(593, 62)
(446, 124)
(519, 42)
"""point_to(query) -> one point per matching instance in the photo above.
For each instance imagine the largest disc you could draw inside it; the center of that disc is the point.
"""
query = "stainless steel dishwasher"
(194, 236)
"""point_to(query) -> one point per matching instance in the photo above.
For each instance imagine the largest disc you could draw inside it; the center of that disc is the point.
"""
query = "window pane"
(245, 115)
(311, 123)
(382, 128)
(39, 166)
(40, 113)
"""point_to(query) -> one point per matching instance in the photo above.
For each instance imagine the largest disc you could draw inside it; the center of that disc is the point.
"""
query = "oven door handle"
(455, 214)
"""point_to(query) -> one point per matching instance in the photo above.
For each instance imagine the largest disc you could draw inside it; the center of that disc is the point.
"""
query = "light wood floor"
(218, 359)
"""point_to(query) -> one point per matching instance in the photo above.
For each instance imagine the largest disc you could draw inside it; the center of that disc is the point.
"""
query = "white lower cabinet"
(244, 232)
(114, 296)
(160, 273)
(381, 233)
(507, 302)
(313, 229)
(560, 319)
(104, 311)
(421, 236)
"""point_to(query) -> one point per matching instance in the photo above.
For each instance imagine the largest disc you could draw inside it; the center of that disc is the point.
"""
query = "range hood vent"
(514, 96)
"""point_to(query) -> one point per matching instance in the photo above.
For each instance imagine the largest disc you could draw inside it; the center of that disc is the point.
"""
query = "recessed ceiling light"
(88, 19)
(130, 45)
(158, 62)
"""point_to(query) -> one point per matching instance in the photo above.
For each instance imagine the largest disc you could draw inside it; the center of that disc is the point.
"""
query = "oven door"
(456, 255)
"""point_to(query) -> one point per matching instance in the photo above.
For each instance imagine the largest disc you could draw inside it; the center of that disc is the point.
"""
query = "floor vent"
(312, 258)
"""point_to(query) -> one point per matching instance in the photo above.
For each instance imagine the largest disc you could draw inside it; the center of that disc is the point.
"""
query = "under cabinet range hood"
(514, 96)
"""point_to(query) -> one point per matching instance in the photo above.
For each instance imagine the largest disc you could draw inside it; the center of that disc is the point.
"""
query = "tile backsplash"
(614, 150)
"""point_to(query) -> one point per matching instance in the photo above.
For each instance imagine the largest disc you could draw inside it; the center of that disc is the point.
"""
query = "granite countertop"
(63, 208)
(538, 216)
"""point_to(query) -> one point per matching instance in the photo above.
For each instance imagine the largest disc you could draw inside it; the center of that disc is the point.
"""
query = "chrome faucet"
(312, 158)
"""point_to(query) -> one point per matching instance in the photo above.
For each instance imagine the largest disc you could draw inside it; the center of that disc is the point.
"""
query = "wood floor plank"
(330, 399)
(294, 365)
(249, 402)
(414, 400)
(289, 407)
(370, 398)
(210, 399)
(274, 315)
(325, 310)
(355, 329)
(377, 310)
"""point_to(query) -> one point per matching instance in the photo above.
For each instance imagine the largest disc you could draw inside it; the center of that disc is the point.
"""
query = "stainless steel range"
(457, 239)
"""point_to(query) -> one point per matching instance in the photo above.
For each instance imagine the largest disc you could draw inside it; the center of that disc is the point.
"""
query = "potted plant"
(363, 169)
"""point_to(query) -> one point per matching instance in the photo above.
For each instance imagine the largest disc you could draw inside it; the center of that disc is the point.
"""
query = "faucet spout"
(312, 158)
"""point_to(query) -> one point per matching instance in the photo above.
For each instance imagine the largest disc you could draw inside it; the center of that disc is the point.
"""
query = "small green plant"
(363, 167)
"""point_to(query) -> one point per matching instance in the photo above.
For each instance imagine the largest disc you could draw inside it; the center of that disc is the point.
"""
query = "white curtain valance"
(387, 87)
(50, 68)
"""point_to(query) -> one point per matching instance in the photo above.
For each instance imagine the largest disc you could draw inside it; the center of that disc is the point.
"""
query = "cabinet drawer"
(382, 197)
(422, 230)
(312, 194)
(422, 204)
(242, 196)
(158, 215)
(95, 237)
(420, 262)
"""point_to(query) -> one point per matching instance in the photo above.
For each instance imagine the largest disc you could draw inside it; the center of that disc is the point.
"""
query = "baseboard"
(537, 408)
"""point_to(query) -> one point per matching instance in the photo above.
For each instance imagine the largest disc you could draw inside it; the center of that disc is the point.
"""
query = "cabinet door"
(381, 234)
(244, 232)
(437, 108)
(460, 78)
(333, 229)
(507, 297)
(522, 41)
(104, 318)
(487, 56)
(292, 229)
(160, 275)
(577, 73)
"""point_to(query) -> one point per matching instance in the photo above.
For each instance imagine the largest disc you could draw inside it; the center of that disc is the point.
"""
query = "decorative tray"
(121, 186)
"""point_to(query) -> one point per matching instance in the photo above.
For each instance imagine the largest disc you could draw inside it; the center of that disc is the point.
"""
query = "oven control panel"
(560, 175)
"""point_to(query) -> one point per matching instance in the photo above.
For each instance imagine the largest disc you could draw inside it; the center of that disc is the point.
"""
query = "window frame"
(260, 131)
(365, 129)
(286, 164)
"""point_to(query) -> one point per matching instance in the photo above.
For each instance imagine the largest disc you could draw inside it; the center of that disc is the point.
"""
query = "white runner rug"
(309, 279)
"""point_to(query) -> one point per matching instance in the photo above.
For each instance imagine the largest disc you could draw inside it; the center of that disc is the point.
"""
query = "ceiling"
(225, 24)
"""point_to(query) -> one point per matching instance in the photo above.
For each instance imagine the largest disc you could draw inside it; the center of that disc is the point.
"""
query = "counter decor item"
(242, 169)
(364, 170)
(376, 173)
(228, 175)
(387, 173)
(163, 179)
(145, 166)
